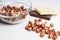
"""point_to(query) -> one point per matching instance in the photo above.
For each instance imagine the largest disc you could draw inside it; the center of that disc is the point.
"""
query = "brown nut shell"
(37, 30)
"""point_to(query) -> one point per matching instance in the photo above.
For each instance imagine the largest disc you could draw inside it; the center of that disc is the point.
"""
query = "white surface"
(18, 32)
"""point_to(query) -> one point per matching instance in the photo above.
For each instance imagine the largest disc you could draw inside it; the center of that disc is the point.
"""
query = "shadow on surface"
(1, 22)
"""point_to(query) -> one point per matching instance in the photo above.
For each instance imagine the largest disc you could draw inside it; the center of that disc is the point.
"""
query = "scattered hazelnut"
(37, 30)
(29, 28)
(30, 22)
(26, 27)
(40, 20)
(51, 25)
(46, 31)
(41, 34)
(43, 29)
(53, 30)
(34, 28)
(43, 25)
(58, 32)
(36, 20)
(50, 35)
(40, 29)
(54, 37)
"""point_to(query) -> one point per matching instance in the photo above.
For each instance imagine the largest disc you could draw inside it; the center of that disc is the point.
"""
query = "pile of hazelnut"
(13, 11)
(41, 28)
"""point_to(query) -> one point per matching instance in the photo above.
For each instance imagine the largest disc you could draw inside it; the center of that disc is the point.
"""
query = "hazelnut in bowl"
(15, 11)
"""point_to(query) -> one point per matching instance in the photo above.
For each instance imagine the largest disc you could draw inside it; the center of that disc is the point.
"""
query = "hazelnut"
(15, 8)
(12, 13)
(4, 14)
(43, 30)
(10, 19)
(37, 23)
(37, 30)
(30, 22)
(15, 19)
(18, 13)
(36, 20)
(43, 25)
(54, 37)
(26, 27)
(40, 20)
(51, 25)
(5, 8)
(40, 29)
(9, 7)
(33, 25)
(25, 11)
(49, 29)
(34, 28)
(53, 30)
(58, 32)
(50, 35)
(41, 34)
(46, 31)
(22, 7)
(19, 10)
(29, 28)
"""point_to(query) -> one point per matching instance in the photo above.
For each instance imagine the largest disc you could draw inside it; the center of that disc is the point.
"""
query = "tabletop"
(18, 32)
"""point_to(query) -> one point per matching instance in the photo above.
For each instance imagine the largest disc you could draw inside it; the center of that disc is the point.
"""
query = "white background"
(18, 32)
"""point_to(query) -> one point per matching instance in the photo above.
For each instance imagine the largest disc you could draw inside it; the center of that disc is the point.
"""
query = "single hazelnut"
(53, 30)
(33, 25)
(36, 20)
(22, 7)
(46, 31)
(34, 28)
(19, 10)
(30, 22)
(41, 34)
(58, 32)
(43, 30)
(37, 30)
(43, 25)
(25, 11)
(9, 7)
(49, 29)
(26, 27)
(50, 35)
(54, 37)
(40, 20)
(5, 8)
(29, 28)
(40, 29)
(29, 25)
(51, 25)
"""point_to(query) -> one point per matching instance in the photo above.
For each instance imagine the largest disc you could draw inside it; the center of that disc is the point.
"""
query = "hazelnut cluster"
(13, 10)
(41, 28)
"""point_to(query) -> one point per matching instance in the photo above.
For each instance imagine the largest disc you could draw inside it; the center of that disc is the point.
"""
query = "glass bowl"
(18, 18)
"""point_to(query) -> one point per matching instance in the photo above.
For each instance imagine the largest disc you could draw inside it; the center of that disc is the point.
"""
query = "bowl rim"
(16, 15)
